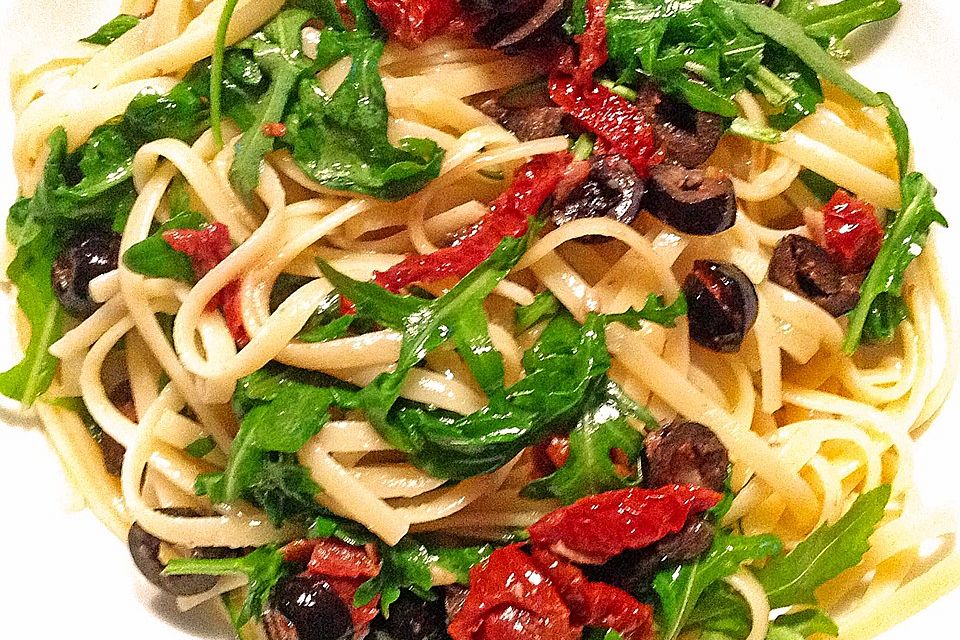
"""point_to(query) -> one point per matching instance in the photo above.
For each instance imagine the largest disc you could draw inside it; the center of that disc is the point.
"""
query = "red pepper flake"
(345, 567)
(620, 125)
(274, 129)
(851, 231)
(509, 215)
(511, 599)
(413, 22)
(596, 528)
(207, 247)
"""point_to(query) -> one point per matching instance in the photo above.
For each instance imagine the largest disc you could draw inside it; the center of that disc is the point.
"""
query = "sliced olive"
(312, 607)
(721, 305)
(612, 189)
(691, 200)
(514, 26)
(413, 618)
(87, 254)
(528, 122)
(145, 551)
(805, 268)
(685, 453)
(687, 136)
(453, 598)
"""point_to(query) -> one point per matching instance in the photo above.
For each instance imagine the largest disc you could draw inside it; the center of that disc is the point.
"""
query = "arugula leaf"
(903, 241)
(263, 567)
(654, 310)
(560, 369)
(899, 131)
(822, 188)
(340, 140)
(831, 23)
(544, 306)
(154, 258)
(279, 411)
(407, 566)
(680, 589)
(329, 525)
(112, 30)
(200, 447)
(824, 554)
(336, 328)
(216, 68)
(181, 113)
(801, 625)
(693, 48)
(278, 51)
(425, 324)
(790, 35)
(602, 427)
(806, 91)
(38, 226)
(472, 338)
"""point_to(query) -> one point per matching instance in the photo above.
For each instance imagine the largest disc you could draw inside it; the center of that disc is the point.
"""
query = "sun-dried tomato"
(596, 604)
(596, 528)
(509, 216)
(592, 42)
(413, 22)
(851, 232)
(621, 126)
(207, 247)
(345, 567)
(510, 598)
(274, 129)
(334, 557)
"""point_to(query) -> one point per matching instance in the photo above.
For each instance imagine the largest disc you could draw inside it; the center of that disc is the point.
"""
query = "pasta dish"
(429, 319)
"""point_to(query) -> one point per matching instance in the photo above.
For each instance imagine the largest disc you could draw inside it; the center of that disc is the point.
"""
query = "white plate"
(63, 575)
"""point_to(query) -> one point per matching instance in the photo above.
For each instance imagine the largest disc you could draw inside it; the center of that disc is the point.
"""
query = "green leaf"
(544, 307)
(576, 22)
(903, 241)
(899, 131)
(109, 32)
(200, 447)
(472, 338)
(407, 566)
(329, 525)
(824, 554)
(332, 330)
(279, 411)
(654, 310)
(831, 23)
(790, 35)
(340, 140)
(590, 469)
(680, 589)
(822, 189)
(263, 567)
(278, 50)
(801, 625)
(425, 324)
(154, 258)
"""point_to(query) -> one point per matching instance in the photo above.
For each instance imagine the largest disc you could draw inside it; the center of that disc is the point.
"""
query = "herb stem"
(216, 71)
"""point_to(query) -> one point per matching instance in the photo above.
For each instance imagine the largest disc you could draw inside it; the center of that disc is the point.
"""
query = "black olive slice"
(722, 305)
(805, 268)
(87, 254)
(685, 453)
(688, 137)
(307, 607)
(612, 189)
(691, 200)
(145, 551)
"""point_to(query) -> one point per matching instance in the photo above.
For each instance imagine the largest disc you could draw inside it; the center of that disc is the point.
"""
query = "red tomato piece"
(510, 598)
(851, 232)
(207, 247)
(596, 604)
(592, 42)
(413, 22)
(509, 215)
(335, 558)
(620, 125)
(596, 528)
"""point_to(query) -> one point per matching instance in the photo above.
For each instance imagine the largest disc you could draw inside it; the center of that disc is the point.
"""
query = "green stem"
(216, 70)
